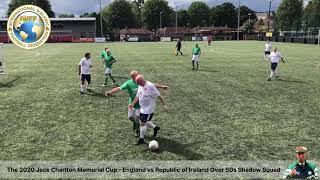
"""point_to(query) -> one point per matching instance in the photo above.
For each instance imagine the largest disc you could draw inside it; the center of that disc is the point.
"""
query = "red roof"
(135, 31)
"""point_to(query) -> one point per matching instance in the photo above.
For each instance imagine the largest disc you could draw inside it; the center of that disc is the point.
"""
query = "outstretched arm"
(163, 103)
(115, 90)
(159, 86)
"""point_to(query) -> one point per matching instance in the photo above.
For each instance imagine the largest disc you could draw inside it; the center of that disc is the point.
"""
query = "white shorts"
(108, 71)
(195, 58)
(133, 112)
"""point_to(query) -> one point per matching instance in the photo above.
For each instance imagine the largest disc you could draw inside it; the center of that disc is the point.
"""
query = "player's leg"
(134, 118)
(197, 61)
(82, 84)
(88, 79)
(150, 124)
(106, 77)
(193, 59)
(143, 128)
(276, 71)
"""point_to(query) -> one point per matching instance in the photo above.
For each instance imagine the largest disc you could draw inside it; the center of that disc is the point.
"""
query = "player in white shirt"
(84, 72)
(146, 95)
(274, 58)
(267, 49)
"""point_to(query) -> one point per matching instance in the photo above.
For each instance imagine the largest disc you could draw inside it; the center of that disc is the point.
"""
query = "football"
(153, 145)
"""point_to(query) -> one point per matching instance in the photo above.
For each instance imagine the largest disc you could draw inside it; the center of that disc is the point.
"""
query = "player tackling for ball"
(109, 60)
(196, 53)
(132, 88)
(267, 49)
(274, 58)
(146, 95)
(84, 72)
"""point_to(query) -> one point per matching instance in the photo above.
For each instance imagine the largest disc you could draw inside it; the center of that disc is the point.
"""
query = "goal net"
(2, 65)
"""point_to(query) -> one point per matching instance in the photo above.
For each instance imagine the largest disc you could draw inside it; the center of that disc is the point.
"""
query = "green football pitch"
(225, 111)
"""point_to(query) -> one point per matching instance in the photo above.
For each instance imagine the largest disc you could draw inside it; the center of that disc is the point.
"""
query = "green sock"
(106, 80)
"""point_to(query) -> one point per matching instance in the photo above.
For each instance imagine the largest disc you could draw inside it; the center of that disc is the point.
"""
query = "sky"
(79, 7)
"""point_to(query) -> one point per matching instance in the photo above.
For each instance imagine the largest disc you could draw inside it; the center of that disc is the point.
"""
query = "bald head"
(140, 80)
(275, 49)
(134, 74)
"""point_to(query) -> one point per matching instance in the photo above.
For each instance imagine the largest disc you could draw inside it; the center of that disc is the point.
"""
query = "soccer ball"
(153, 145)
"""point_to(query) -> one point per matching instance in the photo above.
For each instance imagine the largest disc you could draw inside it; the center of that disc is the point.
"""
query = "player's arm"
(79, 69)
(136, 99)
(159, 86)
(113, 91)
(282, 60)
(163, 103)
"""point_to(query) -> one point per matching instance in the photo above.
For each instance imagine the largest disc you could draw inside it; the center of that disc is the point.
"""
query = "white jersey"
(268, 47)
(275, 57)
(85, 66)
(147, 97)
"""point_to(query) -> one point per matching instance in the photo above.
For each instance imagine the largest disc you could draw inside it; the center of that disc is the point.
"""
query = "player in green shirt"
(109, 60)
(301, 169)
(132, 88)
(196, 53)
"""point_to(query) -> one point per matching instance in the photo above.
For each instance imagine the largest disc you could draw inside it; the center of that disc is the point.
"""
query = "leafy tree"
(199, 13)
(312, 14)
(245, 12)
(151, 14)
(289, 15)
(119, 14)
(183, 18)
(43, 4)
(224, 15)
(66, 15)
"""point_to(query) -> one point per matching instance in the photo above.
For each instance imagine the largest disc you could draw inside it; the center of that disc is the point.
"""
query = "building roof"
(135, 31)
(170, 30)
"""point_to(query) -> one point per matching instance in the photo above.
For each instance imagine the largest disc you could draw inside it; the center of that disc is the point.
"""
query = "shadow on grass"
(177, 148)
(96, 94)
(10, 83)
(207, 71)
(290, 81)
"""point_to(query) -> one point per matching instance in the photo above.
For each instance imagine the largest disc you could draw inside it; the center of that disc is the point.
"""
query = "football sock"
(143, 131)
(150, 125)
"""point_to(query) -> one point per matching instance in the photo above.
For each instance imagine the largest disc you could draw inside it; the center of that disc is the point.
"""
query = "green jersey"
(132, 87)
(108, 60)
(103, 55)
(196, 50)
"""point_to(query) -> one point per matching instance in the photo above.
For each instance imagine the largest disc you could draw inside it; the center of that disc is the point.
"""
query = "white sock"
(143, 131)
(87, 86)
(150, 125)
(81, 88)
(271, 74)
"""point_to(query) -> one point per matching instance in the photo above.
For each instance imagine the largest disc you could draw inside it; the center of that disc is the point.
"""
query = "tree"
(312, 14)
(224, 15)
(183, 18)
(245, 12)
(119, 14)
(66, 15)
(199, 13)
(289, 15)
(43, 4)
(151, 14)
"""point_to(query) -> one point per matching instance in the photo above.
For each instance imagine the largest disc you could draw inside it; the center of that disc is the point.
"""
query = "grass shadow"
(207, 71)
(96, 94)
(10, 83)
(177, 148)
(290, 81)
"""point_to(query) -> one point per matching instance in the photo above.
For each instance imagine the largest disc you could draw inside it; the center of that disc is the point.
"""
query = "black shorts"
(274, 66)
(85, 77)
(146, 117)
(267, 53)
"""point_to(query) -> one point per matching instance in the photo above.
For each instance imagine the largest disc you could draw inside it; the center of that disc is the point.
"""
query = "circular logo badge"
(28, 27)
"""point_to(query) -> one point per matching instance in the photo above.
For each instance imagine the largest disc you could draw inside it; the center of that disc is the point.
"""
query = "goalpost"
(2, 63)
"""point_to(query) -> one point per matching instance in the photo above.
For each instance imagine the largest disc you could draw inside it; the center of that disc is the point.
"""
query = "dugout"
(62, 30)
(136, 35)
